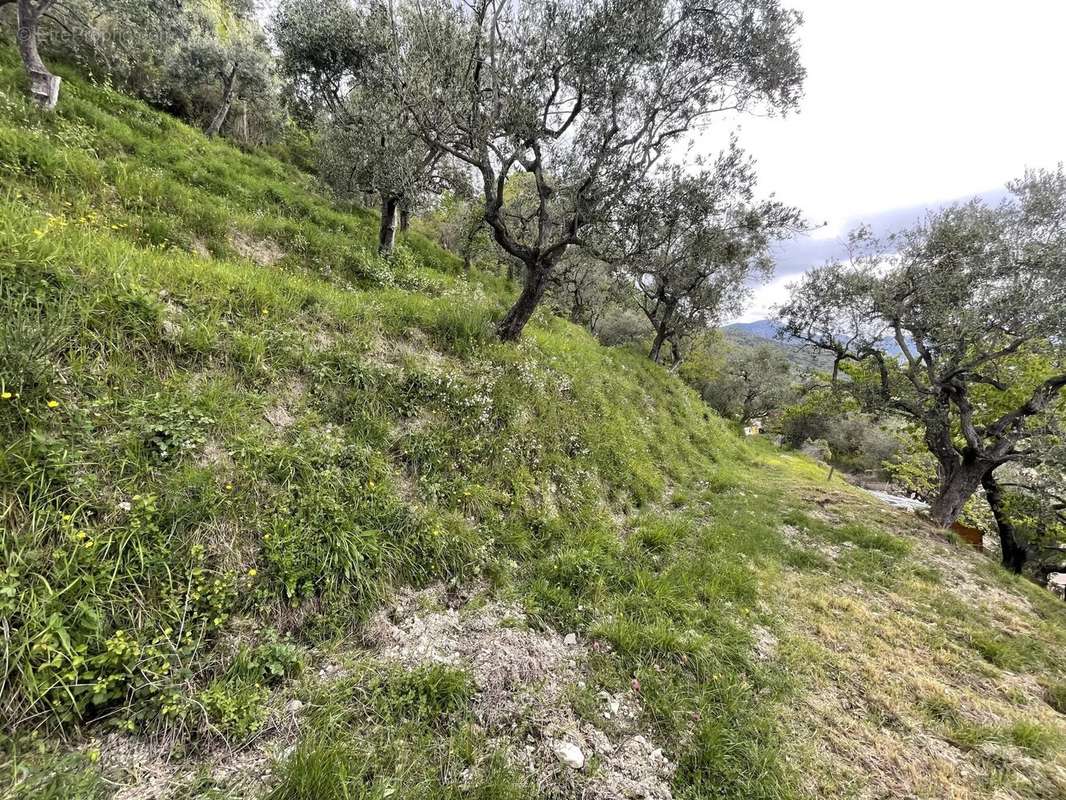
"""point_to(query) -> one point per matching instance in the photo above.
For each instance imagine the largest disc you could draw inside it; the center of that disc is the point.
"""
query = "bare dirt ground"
(524, 679)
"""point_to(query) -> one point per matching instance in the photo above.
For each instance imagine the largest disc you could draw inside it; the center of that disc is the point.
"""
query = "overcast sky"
(908, 104)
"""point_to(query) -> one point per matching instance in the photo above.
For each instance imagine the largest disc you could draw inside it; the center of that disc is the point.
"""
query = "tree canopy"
(335, 57)
(691, 243)
(585, 97)
(936, 319)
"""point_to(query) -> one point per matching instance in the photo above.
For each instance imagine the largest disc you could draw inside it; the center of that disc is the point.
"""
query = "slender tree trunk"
(44, 86)
(656, 352)
(387, 231)
(405, 217)
(958, 483)
(242, 125)
(536, 282)
(661, 320)
(675, 355)
(468, 246)
(229, 85)
(1013, 553)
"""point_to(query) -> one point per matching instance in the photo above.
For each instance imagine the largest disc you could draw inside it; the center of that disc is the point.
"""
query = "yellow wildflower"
(5, 395)
(252, 572)
(53, 404)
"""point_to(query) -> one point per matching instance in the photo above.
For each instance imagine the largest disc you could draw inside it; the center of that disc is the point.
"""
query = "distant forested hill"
(764, 330)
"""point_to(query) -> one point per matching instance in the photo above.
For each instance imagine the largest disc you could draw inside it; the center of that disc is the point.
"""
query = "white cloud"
(765, 297)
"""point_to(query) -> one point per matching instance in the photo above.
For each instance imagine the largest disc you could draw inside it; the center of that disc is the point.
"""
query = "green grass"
(153, 509)
(396, 734)
(214, 469)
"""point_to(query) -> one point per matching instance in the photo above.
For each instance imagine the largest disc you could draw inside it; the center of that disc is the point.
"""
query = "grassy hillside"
(282, 519)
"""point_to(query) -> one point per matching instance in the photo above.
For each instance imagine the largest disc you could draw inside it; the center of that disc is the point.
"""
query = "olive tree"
(1029, 507)
(935, 318)
(183, 55)
(584, 288)
(130, 43)
(226, 57)
(583, 96)
(333, 54)
(29, 14)
(692, 242)
(752, 383)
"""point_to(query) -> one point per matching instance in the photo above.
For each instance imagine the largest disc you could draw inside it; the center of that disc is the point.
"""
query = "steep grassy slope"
(281, 518)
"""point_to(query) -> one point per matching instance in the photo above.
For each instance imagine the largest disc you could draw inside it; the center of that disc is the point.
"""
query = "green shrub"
(236, 709)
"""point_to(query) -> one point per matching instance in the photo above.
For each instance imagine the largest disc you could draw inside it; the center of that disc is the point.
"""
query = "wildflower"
(252, 572)
(266, 312)
(229, 487)
(5, 395)
(53, 404)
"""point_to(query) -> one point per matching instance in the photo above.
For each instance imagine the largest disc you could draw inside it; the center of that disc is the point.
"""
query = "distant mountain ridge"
(768, 329)
(764, 331)
(762, 328)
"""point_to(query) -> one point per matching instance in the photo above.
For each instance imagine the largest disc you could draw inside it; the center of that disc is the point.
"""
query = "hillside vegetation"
(284, 519)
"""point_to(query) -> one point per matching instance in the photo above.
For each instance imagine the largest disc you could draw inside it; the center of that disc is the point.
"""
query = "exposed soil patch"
(279, 417)
(145, 769)
(415, 347)
(524, 680)
(199, 248)
(213, 454)
(265, 251)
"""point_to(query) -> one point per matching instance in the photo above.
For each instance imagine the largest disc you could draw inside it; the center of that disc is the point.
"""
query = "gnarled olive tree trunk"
(960, 471)
(229, 86)
(957, 486)
(533, 288)
(44, 86)
(1013, 553)
(387, 231)
(662, 319)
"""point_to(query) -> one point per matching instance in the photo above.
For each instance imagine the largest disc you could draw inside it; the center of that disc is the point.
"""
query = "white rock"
(171, 330)
(570, 640)
(294, 706)
(569, 753)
